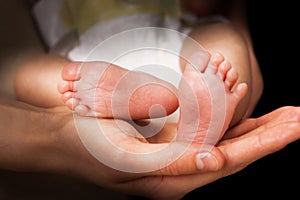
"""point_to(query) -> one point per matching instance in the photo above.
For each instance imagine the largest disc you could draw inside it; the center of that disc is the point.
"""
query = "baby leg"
(36, 81)
(101, 89)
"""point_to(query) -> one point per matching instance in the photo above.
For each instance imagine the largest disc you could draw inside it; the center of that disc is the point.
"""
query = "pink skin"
(105, 90)
(208, 97)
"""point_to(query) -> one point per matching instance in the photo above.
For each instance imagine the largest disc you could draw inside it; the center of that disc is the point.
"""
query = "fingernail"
(206, 160)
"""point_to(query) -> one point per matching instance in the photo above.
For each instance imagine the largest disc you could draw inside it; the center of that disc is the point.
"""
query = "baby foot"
(207, 98)
(105, 90)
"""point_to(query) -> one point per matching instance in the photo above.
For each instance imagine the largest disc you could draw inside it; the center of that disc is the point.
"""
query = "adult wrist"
(27, 137)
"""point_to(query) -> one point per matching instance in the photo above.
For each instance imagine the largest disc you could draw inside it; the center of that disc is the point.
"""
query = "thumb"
(182, 159)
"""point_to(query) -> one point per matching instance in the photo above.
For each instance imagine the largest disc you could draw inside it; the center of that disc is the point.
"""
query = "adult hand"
(53, 145)
(244, 144)
(33, 139)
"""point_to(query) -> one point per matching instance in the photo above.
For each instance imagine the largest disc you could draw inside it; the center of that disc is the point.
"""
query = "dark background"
(273, 27)
(276, 43)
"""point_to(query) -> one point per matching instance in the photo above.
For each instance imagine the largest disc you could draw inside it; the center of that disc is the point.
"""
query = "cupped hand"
(134, 167)
(112, 154)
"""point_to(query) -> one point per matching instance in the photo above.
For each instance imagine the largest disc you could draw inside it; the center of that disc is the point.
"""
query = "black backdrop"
(273, 27)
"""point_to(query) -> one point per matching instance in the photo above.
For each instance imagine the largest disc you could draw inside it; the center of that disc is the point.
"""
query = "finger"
(195, 159)
(244, 127)
(258, 143)
(283, 114)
